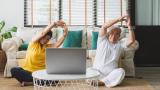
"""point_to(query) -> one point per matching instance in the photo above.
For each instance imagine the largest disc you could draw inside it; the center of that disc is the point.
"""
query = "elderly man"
(109, 50)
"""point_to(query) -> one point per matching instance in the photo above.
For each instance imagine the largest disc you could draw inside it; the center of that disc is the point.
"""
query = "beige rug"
(128, 84)
(131, 84)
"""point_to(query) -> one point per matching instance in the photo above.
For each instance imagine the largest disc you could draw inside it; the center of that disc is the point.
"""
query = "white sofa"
(14, 56)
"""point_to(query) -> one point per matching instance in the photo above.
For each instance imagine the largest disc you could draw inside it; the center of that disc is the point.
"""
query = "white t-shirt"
(107, 55)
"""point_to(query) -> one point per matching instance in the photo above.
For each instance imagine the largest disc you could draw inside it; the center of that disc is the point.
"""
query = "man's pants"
(114, 78)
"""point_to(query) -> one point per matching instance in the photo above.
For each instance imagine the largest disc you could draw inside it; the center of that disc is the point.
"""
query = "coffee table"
(44, 81)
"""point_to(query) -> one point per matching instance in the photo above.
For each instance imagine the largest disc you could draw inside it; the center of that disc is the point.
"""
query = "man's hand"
(128, 22)
(122, 18)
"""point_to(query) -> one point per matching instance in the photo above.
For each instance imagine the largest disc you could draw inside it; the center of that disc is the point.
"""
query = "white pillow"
(123, 32)
(26, 34)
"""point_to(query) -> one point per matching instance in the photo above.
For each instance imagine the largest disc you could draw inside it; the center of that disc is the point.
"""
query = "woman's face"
(45, 39)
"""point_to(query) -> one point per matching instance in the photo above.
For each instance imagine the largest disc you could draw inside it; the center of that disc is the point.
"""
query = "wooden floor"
(150, 81)
(150, 74)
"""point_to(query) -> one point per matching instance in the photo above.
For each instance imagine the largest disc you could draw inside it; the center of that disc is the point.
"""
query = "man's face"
(114, 35)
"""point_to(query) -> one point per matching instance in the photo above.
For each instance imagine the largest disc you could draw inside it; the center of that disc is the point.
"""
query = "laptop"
(66, 60)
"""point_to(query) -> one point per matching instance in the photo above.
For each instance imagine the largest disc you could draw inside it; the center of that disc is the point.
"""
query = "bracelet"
(132, 27)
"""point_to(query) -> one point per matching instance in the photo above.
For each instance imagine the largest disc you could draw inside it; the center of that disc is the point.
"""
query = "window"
(40, 12)
(77, 12)
(73, 12)
(110, 9)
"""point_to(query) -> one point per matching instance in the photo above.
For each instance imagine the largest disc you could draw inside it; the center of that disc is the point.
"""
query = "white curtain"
(147, 12)
(156, 12)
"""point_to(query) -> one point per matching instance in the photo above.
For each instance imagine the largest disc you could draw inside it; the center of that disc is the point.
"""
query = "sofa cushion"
(23, 46)
(94, 40)
(73, 39)
(74, 28)
(20, 62)
(25, 34)
(89, 35)
(21, 54)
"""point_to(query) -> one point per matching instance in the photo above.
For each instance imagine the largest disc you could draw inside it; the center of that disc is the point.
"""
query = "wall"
(147, 12)
(143, 12)
(12, 11)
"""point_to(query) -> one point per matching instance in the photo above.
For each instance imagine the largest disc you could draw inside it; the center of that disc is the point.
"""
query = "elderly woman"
(109, 50)
(35, 57)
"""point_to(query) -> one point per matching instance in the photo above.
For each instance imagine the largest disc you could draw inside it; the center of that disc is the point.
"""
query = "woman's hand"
(62, 24)
(59, 23)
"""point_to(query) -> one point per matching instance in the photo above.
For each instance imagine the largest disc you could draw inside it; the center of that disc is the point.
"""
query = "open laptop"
(65, 60)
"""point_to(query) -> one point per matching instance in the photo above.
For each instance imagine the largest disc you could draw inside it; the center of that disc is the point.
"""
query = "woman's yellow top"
(35, 57)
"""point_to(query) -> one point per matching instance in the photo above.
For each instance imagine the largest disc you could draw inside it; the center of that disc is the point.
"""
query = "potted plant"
(5, 34)
(2, 23)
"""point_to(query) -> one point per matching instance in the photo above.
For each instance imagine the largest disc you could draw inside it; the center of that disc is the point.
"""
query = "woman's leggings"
(21, 75)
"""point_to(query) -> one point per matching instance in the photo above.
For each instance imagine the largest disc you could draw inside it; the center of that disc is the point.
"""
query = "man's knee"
(120, 70)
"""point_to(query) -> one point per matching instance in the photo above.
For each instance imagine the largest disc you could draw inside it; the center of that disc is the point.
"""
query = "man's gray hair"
(112, 28)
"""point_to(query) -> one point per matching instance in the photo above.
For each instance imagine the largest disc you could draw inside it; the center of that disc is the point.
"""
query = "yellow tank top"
(35, 57)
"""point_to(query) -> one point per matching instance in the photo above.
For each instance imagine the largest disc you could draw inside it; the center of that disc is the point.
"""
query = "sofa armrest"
(133, 46)
(11, 44)
(126, 61)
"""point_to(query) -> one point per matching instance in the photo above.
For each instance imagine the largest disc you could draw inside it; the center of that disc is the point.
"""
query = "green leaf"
(7, 35)
(2, 23)
(14, 29)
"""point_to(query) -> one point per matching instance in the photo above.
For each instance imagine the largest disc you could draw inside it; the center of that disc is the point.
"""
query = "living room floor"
(150, 81)
(150, 74)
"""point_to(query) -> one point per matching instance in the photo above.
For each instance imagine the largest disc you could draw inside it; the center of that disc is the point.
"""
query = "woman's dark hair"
(49, 34)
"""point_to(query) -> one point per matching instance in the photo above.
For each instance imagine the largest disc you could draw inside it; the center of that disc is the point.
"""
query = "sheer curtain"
(147, 12)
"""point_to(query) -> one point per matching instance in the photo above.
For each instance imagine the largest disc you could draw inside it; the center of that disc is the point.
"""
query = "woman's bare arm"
(60, 41)
(44, 32)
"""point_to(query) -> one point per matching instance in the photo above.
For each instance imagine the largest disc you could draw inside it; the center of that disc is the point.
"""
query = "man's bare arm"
(106, 25)
(131, 35)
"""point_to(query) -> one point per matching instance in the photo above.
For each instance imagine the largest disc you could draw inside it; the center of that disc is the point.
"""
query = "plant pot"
(0, 46)
(3, 60)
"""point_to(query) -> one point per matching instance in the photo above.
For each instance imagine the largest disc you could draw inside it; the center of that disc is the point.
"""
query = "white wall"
(12, 11)
(143, 12)
(148, 12)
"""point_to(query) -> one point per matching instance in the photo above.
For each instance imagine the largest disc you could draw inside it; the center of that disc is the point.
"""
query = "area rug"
(128, 84)
(131, 84)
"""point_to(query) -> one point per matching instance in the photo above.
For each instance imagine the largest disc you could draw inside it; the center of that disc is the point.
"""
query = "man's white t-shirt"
(107, 55)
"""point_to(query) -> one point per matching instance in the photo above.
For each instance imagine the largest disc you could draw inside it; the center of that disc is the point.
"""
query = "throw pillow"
(24, 46)
(73, 39)
(94, 40)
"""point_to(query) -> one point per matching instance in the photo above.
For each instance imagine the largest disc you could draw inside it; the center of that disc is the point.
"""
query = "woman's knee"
(15, 70)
